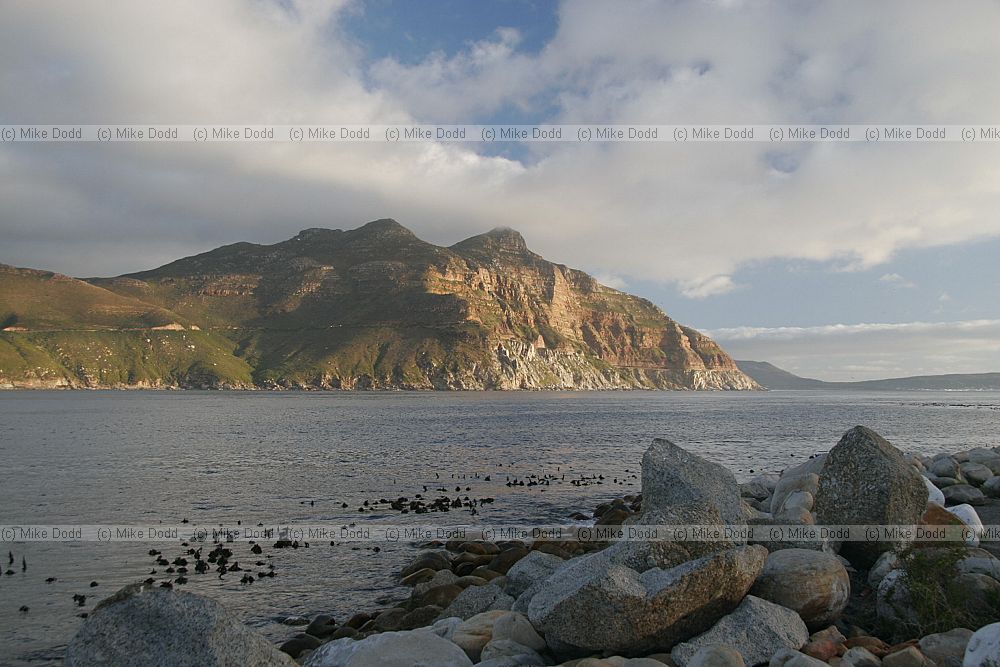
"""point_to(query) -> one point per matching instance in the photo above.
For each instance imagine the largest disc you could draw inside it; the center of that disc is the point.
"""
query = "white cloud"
(870, 350)
(687, 214)
(896, 280)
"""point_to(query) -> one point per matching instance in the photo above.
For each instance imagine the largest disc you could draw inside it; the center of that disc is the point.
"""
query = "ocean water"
(217, 458)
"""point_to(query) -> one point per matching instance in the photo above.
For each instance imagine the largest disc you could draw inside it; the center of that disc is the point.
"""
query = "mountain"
(369, 308)
(772, 377)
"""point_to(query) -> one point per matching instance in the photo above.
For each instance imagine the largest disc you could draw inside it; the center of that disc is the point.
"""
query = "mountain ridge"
(771, 377)
(373, 307)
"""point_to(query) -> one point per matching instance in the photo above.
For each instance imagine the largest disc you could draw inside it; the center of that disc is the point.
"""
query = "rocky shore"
(648, 604)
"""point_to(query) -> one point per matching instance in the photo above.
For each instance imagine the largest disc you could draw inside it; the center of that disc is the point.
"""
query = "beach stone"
(980, 561)
(419, 577)
(893, 603)
(754, 489)
(475, 633)
(975, 473)
(469, 580)
(963, 494)
(984, 647)
(823, 649)
(512, 661)
(535, 567)
(477, 599)
(908, 657)
(295, 646)
(344, 631)
(937, 515)
(865, 480)
(859, 657)
(440, 596)
(757, 629)
(504, 560)
(445, 627)
(600, 603)
(390, 649)
(389, 619)
(508, 648)
(787, 657)
(968, 515)
(934, 494)
(991, 487)
(673, 476)
(946, 649)
(516, 627)
(812, 583)
(716, 655)
(430, 560)
(140, 625)
(885, 564)
(437, 578)
(945, 467)
(419, 617)
(874, 645)
(322, 626)
(803, 477)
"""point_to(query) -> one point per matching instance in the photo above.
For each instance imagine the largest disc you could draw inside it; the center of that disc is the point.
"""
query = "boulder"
(516, 627)
(968, 515)
(755, 489)
(934, 494)
(477, 599)
(893, 603)
(603, 603)
(716, 655)
(439, 596)
(946, 649)
(945, 466)
(975, 473)
(475, 633)
(992, 487)
(390, 649)
(295, 646)
(437, 578)
(908, 657)
(504, 560)
(812, 583)
(800, 479)
(536, 566)
(430, 560)
(140, 625)
(757, 629)
(984, 647)
(885, 564)
(963, 494)
(674, 476)
(865, 480)
(859, 657)
(508, 648)
(787, 657)
(322, 626)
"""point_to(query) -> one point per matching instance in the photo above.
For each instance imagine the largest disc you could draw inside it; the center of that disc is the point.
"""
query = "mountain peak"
(383, 226)
(499, 240)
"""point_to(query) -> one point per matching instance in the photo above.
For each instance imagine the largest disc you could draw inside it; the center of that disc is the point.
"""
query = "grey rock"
(140, 625)
(865, 480)
(477, 599)
(991, 487)
(893, 603)
(716, 655)
(787, 657)
(508, 648)
(754, 489)
(793, 480)
(757, 629)
(434, 559)
(390, 649)
(812, 583)
(859, 657)
(604, 603)
(960, 494)
(885, 564)
(513, 661)
(984, 647)
(908, 657)
(536, 566)
(945, 467)
(674, 476)
(516, 627)
(440, 578)
(946, 649)
(975, 473)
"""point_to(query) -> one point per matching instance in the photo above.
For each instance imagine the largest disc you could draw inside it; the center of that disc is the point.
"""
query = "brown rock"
(876, 646)
(505, 559)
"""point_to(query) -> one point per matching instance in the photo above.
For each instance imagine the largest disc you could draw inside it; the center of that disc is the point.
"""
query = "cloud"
(690, 215)
(896, 280)
(870, 350)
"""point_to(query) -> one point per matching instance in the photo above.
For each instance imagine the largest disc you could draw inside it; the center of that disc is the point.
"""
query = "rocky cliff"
(369, 308)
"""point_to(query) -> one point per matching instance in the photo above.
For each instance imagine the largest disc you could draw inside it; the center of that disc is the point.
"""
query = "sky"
(836, 261)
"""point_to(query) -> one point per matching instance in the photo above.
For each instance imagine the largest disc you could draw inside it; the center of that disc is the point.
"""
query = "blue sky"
(810, 256)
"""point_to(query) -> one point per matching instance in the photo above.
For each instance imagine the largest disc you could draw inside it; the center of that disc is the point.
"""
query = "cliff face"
(369, 308)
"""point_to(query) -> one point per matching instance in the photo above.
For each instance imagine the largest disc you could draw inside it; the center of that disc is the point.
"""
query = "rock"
(908, 657)
(803, 477)
(984, 647)
(893, 603)
(981, 595)
(140, 625)
(823, 649)
(980, 561)
(975, 473)
(344, 631)
(757, 629)
(296, 645)
(945, 467)
(445, 627)
(812, 583)
(600, 603)
(430, 560)
(322, 626)
(865, 480)
(516, 627)
(787, 657)
(420, 576)
(716, 655)
(859, 657)
(504, 560)
(473, 634)
(673, 476)
(419, 617)
(754, 489)
(389, 619)
(439, 596)
(934, 494)
(295, 620)
(968, 515)
(992, 487)
(390, 649)
(873, 645)
(438, 578)
(507, 648)
(511, 661)
(937, 515)
(963, 494)
(536, 566)
(885, 564)
(946, 649)
(477, 599)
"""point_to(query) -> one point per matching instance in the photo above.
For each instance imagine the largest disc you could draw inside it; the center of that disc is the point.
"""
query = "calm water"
(141, 458)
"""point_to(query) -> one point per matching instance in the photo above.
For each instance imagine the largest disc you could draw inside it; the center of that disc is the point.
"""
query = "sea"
(238, 459)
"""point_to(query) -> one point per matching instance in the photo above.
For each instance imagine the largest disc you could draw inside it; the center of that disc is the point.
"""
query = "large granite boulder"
(533, 568)
(757, 629)
(477, 599)
(984, 647)
(632, 600)
(865, 480)
(390, 649)
(140, 625)
(812, 583)
(673, 476)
